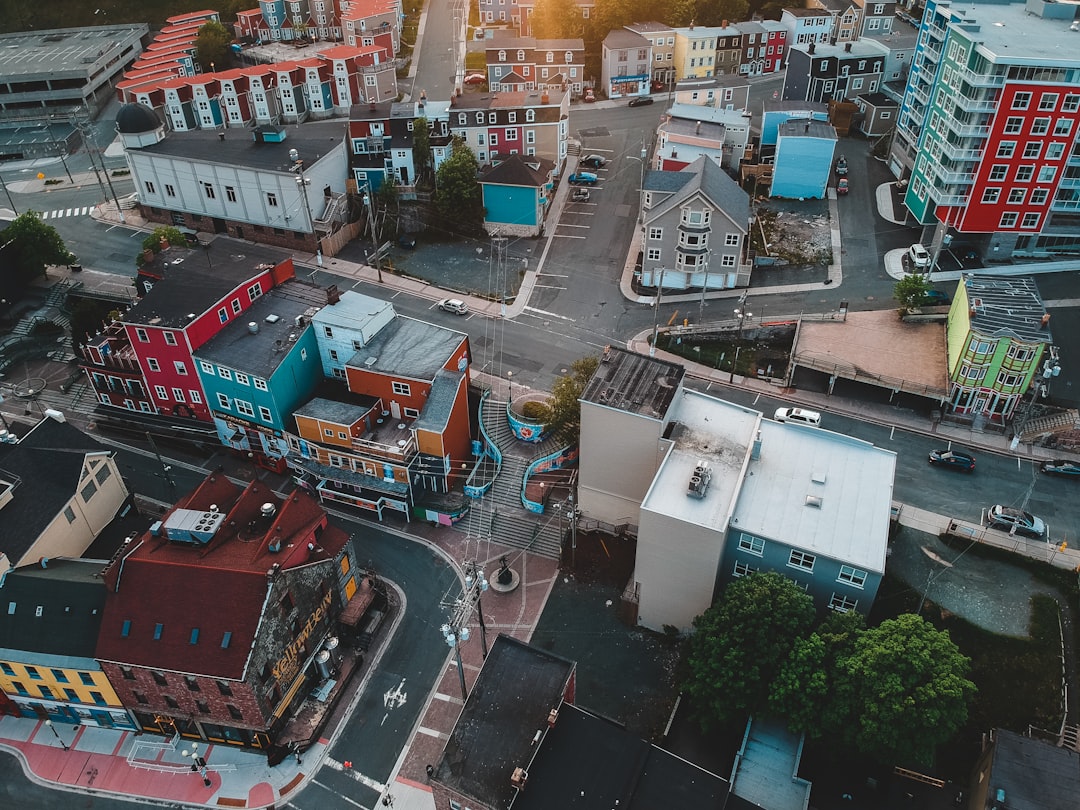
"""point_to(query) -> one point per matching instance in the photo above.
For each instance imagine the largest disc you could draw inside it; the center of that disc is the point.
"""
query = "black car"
(1061, 466)
(592, 162)
(953, 459)
(640, 101)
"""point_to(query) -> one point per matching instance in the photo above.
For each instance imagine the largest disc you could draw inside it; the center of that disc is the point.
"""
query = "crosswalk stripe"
(70, 212)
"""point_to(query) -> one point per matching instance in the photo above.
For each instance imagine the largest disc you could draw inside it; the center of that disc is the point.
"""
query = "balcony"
(1065, 205)
(1069, 182)
(981, 79)
(959, 153)
(967, 130)
(976, 105)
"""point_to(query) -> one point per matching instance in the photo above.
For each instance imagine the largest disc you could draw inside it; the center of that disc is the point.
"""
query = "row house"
(380, 140)
(847, 17)
(170, 54)
(625, 64)
(688, 132)
(763, 47)
(661, 38)
(988, 128)
(258, 368)
(697, 50)
(498, 126)
(373, 22)
(523, 63)
(807, 25)
(144, 361)
(48, 635)
(214, 617)
(499, 12)
(727, 92)
(394, 417)
(695, 229)
(59, 490)
(288, 20)
(875, 18)
(823, 73)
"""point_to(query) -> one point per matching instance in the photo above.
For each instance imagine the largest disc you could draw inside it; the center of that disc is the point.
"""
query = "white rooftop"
(1009, 33)
(819, 491)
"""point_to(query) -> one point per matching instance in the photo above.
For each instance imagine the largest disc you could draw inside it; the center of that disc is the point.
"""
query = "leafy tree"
(910, 291)
(741, 643)
(458, 196)
(906, 690)
(564, 405)
(421, 149)
(714, 12)
(163, 233)
(806, 690)
(212, 46)
(555, 19)
(28, 247)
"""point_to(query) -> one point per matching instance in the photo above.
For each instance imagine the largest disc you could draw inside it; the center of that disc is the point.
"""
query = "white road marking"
(545, 314)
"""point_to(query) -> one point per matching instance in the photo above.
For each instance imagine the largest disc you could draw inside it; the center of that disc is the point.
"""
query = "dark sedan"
(640, 101)
(1061, 466)
(953, 459)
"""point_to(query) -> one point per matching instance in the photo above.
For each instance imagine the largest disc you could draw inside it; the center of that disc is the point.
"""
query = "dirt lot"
(797, 232)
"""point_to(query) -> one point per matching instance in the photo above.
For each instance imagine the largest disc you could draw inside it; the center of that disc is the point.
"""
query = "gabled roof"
(517, 170)
(164, 590)
(57, 607)
(1002, 306)
(44, 469)
(623, 38)
(513, 77)
(708, 179)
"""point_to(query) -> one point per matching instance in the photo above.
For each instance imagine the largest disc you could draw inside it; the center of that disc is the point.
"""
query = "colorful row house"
(522, 64)
(274, 21)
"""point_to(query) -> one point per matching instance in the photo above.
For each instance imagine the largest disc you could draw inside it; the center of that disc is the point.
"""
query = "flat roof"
(821, 492)
(633, 382)
(710, 431)
(1010, 33)
(62, 50)
(1034, 775)
(408, 347)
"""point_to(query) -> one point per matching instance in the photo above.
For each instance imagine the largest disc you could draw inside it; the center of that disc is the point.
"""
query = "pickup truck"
(580, 195)
(582, 179)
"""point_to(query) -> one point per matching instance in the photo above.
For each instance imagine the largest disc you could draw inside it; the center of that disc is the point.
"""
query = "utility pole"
(656, 310)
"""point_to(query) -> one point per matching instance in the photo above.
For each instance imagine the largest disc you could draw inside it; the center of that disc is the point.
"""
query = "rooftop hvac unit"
(519, 778)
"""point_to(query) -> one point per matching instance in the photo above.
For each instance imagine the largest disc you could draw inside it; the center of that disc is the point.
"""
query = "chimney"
(810, 48)
(723, 23)
(333, 295)
(221, 136)
(697, 129)
(545, 98)
(847, 47)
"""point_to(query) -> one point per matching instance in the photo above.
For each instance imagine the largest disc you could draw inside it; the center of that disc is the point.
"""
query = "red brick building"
(214, 618)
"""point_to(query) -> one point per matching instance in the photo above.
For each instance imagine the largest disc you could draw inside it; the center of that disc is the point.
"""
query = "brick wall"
(291, 240)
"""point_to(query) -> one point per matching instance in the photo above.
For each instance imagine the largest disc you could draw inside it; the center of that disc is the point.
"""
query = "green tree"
(806, 689)
(564, 405)
(212, 47)
(28, 247)
(714, 12)
(555, 19)
(910, 291)
(906, 691)
(741, 642)
(458, 197)
(421, 149)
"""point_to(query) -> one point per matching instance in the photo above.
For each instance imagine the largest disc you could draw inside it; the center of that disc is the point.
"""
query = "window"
(800, 559)
(192, 683)
(170, 701)
(1024, 173)
(140, 697)
(1021, 101)
(223, 315)
(170, 191)
(152, 364)
(265, 415)
(88, 491)
(254, 291)
(160, 679)
(1030, 221)
(125, 628)
(234, 712)
(1046, 174)
(260, 383)
(244, 407)
(208, 189)
(178, 394)
(1048, 101)
(990, 195)
(1040, 126)
(203, 706)
(742, 569)
(127, 673)
(170, 338)
(999, 172)
(852, 576)
(60, 677)
(226, 639)
(224, 373)
(1054, 151)
(401, 389)
(1013, 125)
(224, 688)
(656, 234)
(842, 604)
(1038, 196)
(158, 629)
(149, 187)
(180, 368)
(271, 199)
(196, 397)
(242, 379)
(653, 254)
(230, 193)
(731, 240)
(237, 307)
(223, 401)
(1017, 195)
(753, 545)
(1006, 149)
(1008, 220)
(9, 670)
(1032, 149)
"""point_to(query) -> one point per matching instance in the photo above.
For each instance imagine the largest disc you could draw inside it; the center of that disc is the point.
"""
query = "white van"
(798, 416)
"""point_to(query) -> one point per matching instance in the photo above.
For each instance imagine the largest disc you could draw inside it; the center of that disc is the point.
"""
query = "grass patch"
(475, 61)
(763, 351)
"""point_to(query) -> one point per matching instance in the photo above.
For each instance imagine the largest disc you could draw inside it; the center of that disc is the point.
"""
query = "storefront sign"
(289, 663)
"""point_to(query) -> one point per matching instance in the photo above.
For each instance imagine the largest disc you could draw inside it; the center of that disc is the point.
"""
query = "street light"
(302, 182)
(56, 734)
(656, 310)
(933, 574)
(455, 630)
(475, 585)
(510, 385)
(198, 764)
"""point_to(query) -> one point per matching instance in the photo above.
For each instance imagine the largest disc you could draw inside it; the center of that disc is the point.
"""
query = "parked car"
(590, 96)
(475, 78)
(935, 298)
(580, 195)
(798, 416)
(582, 179)
(455, 305)
(841, 166)
(1061, 466)
(953, 459)
(640, 101)
(592, 162)
(1005, 517)
(842, 186)
(918, 256)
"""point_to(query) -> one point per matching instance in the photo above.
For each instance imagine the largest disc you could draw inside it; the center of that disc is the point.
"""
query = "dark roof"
(806, 128)
(714, 183)
(634, 382)
(518, 170)
(514, 693)
(585, 761)
(261, 352)
(1033, 775)
(336, 410)
(440, 401)
(1007, 307)
(313, 140)
(199, 280)
(136, 117)
(70, 595)
(218, 587)
(623, 38)
(408, 347)
(878, 99)
(665, 181)
(45, 469)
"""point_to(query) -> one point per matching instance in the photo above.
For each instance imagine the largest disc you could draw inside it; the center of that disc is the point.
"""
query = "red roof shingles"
(219, 589)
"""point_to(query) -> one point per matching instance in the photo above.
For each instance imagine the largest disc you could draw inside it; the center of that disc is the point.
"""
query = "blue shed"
(804, 159)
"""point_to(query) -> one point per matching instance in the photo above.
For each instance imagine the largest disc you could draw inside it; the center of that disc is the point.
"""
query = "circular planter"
(525, 428)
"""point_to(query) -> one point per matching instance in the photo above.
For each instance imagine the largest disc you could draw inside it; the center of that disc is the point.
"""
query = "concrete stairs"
(503, 518)
(1050, 424)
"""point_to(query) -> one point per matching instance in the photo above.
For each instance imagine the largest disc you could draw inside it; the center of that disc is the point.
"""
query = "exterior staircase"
(1050, 424)
(502, 517)
(1070, 738)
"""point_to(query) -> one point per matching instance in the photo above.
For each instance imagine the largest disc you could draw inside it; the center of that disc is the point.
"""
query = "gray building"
(625, 64)
(823, 73)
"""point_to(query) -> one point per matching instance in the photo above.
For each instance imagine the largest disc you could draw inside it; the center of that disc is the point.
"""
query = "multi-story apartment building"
(987, 131)
(823, 73)
(523, 63)
(625, 64)
(998, 334)
(278, 20)
(876, 18)
(695, 225)
(662, 39)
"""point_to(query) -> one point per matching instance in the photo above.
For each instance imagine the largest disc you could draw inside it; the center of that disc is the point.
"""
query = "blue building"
(780, 112)
(516, 195)
(257, 369)
(804, 159)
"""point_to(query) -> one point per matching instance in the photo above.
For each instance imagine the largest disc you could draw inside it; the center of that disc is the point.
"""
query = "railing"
(981, 79)
(474, 487)
(849, 371)
(557, 460)
(403, 450)
(967, 130)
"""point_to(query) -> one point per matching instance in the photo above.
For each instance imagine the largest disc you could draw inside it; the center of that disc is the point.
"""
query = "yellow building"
(695, 52)
(48, 633)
